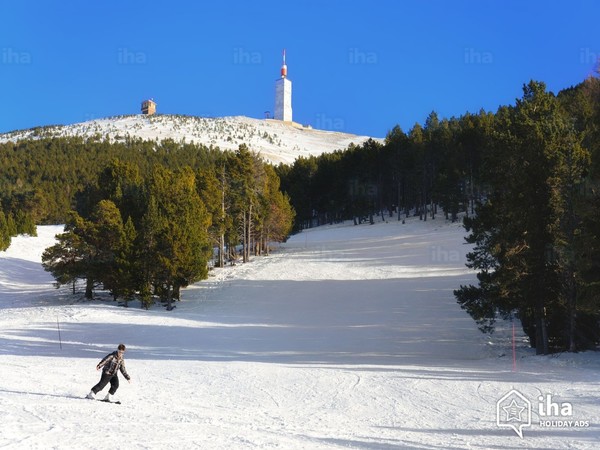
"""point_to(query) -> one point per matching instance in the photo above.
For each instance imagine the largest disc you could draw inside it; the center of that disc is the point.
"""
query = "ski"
(118, 402)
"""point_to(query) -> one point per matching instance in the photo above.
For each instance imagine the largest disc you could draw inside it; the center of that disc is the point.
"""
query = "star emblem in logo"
(513, 411)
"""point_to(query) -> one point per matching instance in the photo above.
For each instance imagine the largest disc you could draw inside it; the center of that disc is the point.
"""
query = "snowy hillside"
(346, 337)
(276, 141)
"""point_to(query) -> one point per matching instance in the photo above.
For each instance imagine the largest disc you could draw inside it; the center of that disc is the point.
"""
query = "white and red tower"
(283, 95)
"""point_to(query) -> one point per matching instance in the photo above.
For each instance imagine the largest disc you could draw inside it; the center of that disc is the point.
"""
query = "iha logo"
(11, 56)
(514, 411)
(357, 56)
(128, 56)
(442, 255)
(558, 415)
(547, 407)
(243, 56)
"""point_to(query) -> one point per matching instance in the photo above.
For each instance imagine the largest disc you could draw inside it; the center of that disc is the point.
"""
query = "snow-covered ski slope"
(346, 337)
(276, 141)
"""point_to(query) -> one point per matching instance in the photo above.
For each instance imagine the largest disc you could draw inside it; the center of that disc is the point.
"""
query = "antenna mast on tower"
(284, 67)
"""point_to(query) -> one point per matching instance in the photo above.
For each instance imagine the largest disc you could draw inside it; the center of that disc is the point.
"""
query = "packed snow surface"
(345, 337)
(274, 140)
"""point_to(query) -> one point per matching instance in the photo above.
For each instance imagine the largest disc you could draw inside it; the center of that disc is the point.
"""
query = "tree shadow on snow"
(325, 322)
(386, 322)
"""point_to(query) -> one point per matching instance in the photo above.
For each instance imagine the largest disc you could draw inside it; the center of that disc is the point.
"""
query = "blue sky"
(356, 66)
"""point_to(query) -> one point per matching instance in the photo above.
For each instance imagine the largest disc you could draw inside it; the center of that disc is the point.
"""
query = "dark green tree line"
(524, 232)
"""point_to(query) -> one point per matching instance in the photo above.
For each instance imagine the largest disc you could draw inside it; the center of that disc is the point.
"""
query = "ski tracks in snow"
(334, 341)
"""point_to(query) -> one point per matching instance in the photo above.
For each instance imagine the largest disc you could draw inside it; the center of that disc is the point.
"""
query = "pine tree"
(25, 224)
(147, 250)
(276, 211)
(4, 232)
(212, 188)
(106, 238)
(244, 186)
(297, 183)
(179, 224)
(126, 263)
(517, 229)
(11, 225)
(68, 259)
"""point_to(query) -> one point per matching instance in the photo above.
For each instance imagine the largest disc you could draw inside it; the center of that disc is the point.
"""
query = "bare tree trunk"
(222, 230)
(89, 288)
(570, 269)
(541, 333)
(400, 201)
(249, 239)
(169, 298)
(244, 238)
(266, 243)
(572, 302)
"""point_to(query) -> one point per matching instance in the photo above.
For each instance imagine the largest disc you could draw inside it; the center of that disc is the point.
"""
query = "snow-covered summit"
(276, 141)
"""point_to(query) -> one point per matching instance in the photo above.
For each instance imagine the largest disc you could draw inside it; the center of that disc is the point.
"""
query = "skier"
(112, 363)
